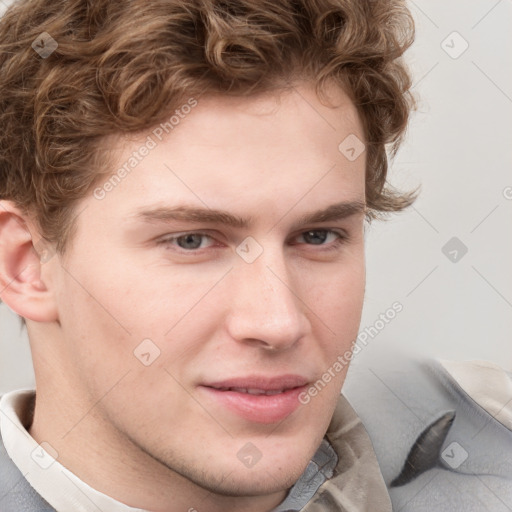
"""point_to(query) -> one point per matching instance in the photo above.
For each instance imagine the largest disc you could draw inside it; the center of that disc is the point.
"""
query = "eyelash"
(341, 239)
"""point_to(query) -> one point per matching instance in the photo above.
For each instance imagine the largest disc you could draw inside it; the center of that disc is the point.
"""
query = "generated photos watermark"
(343, 360)
(151, 142)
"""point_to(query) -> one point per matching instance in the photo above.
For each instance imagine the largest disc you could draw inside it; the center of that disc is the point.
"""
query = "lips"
(253, 391)
(257, 399)
(262, 383)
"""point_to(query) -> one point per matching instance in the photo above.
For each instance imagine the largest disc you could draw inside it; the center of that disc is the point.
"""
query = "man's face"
(238, 319)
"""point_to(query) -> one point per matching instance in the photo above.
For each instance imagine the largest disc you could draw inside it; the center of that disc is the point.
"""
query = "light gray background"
(459, 149)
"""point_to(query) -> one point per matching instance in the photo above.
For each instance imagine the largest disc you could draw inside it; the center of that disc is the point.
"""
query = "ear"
(21, 267)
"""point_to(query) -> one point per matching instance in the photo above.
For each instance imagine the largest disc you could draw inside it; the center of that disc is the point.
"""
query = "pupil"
(192, 241)
(315, 237)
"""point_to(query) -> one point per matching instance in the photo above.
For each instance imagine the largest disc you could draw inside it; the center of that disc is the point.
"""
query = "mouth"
(254, 391)
(258, 399)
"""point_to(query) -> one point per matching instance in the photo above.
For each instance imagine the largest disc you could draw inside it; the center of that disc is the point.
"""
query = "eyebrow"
(333, 212)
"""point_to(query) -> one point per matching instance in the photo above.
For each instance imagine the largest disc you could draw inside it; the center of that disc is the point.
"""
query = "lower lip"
(258, 408)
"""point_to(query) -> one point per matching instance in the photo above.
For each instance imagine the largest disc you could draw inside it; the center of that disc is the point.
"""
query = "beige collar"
(357, 484)
(487, 384)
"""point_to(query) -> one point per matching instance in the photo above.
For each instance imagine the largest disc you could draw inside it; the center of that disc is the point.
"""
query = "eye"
(321, 236)
(186, 241)
(196, 241)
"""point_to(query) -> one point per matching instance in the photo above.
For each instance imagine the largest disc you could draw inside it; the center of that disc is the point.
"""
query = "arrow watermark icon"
(147, 352)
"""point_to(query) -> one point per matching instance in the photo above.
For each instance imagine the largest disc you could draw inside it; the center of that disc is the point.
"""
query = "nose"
(266, 308)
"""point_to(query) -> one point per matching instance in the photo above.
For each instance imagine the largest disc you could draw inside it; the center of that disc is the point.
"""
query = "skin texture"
(150, 436)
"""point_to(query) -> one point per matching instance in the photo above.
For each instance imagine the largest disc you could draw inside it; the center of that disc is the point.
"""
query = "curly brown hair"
(123, 66)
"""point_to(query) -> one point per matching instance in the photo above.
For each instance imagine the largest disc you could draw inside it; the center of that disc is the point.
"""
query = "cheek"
(337, 293)
(337, 302)
(339, 306)
(107, 315)
(98, 339)
(96, 312)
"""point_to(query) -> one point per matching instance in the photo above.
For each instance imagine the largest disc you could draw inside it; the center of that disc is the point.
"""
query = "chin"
(277, 469)
(253, 482)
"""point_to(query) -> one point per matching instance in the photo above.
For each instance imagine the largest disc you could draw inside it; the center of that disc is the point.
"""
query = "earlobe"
(22, 286)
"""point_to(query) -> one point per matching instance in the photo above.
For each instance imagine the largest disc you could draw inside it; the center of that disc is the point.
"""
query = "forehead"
(256, 155)
(277, 120)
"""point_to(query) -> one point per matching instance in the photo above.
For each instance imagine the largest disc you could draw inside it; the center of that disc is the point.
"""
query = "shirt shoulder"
(437, 447)
(16, 494)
